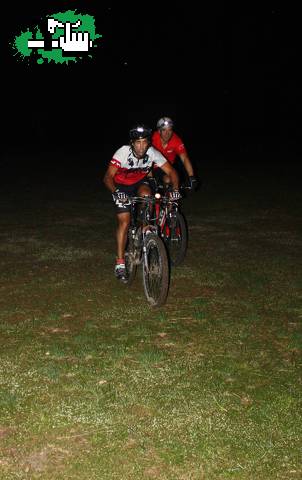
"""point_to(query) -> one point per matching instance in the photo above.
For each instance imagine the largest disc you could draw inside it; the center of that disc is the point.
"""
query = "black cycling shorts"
(158, 174)
(131, 191)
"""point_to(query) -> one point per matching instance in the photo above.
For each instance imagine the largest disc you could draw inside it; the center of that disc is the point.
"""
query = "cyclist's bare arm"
(173, 175)
(187, 163)
(109, 178)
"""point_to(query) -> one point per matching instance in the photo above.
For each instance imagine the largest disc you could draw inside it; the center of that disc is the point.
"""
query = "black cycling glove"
(120, 197)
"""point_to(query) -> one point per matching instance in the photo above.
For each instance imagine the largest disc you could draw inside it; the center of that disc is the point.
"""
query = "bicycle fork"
(145, 256)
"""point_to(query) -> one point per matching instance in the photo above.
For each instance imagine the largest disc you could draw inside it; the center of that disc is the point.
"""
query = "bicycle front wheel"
(176, 239)
(155, 270)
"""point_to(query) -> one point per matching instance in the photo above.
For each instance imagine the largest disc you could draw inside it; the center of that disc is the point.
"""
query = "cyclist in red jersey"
(171, 146)
(127, 175)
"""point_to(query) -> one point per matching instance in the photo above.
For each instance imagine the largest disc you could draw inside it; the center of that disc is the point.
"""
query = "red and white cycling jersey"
(132, 169)
(174, 147)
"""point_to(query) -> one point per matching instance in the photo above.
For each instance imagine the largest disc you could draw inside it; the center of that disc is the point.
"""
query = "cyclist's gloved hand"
(175, 195)
(193, 182)
(120, 197)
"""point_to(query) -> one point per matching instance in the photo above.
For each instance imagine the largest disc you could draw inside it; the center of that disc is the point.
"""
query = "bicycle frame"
(171, 224)
(164, 208)
(146, 223)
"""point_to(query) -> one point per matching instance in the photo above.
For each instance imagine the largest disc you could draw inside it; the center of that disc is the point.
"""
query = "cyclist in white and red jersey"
(127, 175)
(171, 146)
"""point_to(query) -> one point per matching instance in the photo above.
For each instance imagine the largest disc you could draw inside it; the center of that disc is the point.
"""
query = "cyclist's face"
(140, 147)
(166, 133)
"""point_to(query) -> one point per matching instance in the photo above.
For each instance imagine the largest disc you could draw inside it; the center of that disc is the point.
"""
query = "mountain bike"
(145, 247)
(172, 224)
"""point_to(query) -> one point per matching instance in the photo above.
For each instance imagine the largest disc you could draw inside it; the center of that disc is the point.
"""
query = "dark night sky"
(229, 78)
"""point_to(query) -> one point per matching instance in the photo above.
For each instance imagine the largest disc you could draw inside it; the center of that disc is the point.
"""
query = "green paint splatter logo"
(62, 37)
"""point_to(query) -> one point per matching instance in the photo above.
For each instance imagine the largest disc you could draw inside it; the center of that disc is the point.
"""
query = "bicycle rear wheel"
(176, 239)
(155, 270)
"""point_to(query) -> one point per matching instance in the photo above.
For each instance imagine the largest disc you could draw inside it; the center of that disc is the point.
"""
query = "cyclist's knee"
(123, 220)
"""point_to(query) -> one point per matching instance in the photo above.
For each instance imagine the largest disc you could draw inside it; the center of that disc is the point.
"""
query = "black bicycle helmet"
(140, 131)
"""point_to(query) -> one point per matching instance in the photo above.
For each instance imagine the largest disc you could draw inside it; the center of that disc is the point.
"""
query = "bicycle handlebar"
(153, 200)
(145, 199)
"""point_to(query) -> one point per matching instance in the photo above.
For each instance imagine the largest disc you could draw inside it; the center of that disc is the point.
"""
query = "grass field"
(97, 385)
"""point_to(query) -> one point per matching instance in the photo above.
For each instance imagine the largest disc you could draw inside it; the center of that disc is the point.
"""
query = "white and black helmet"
(165, 122)
(140, 131)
